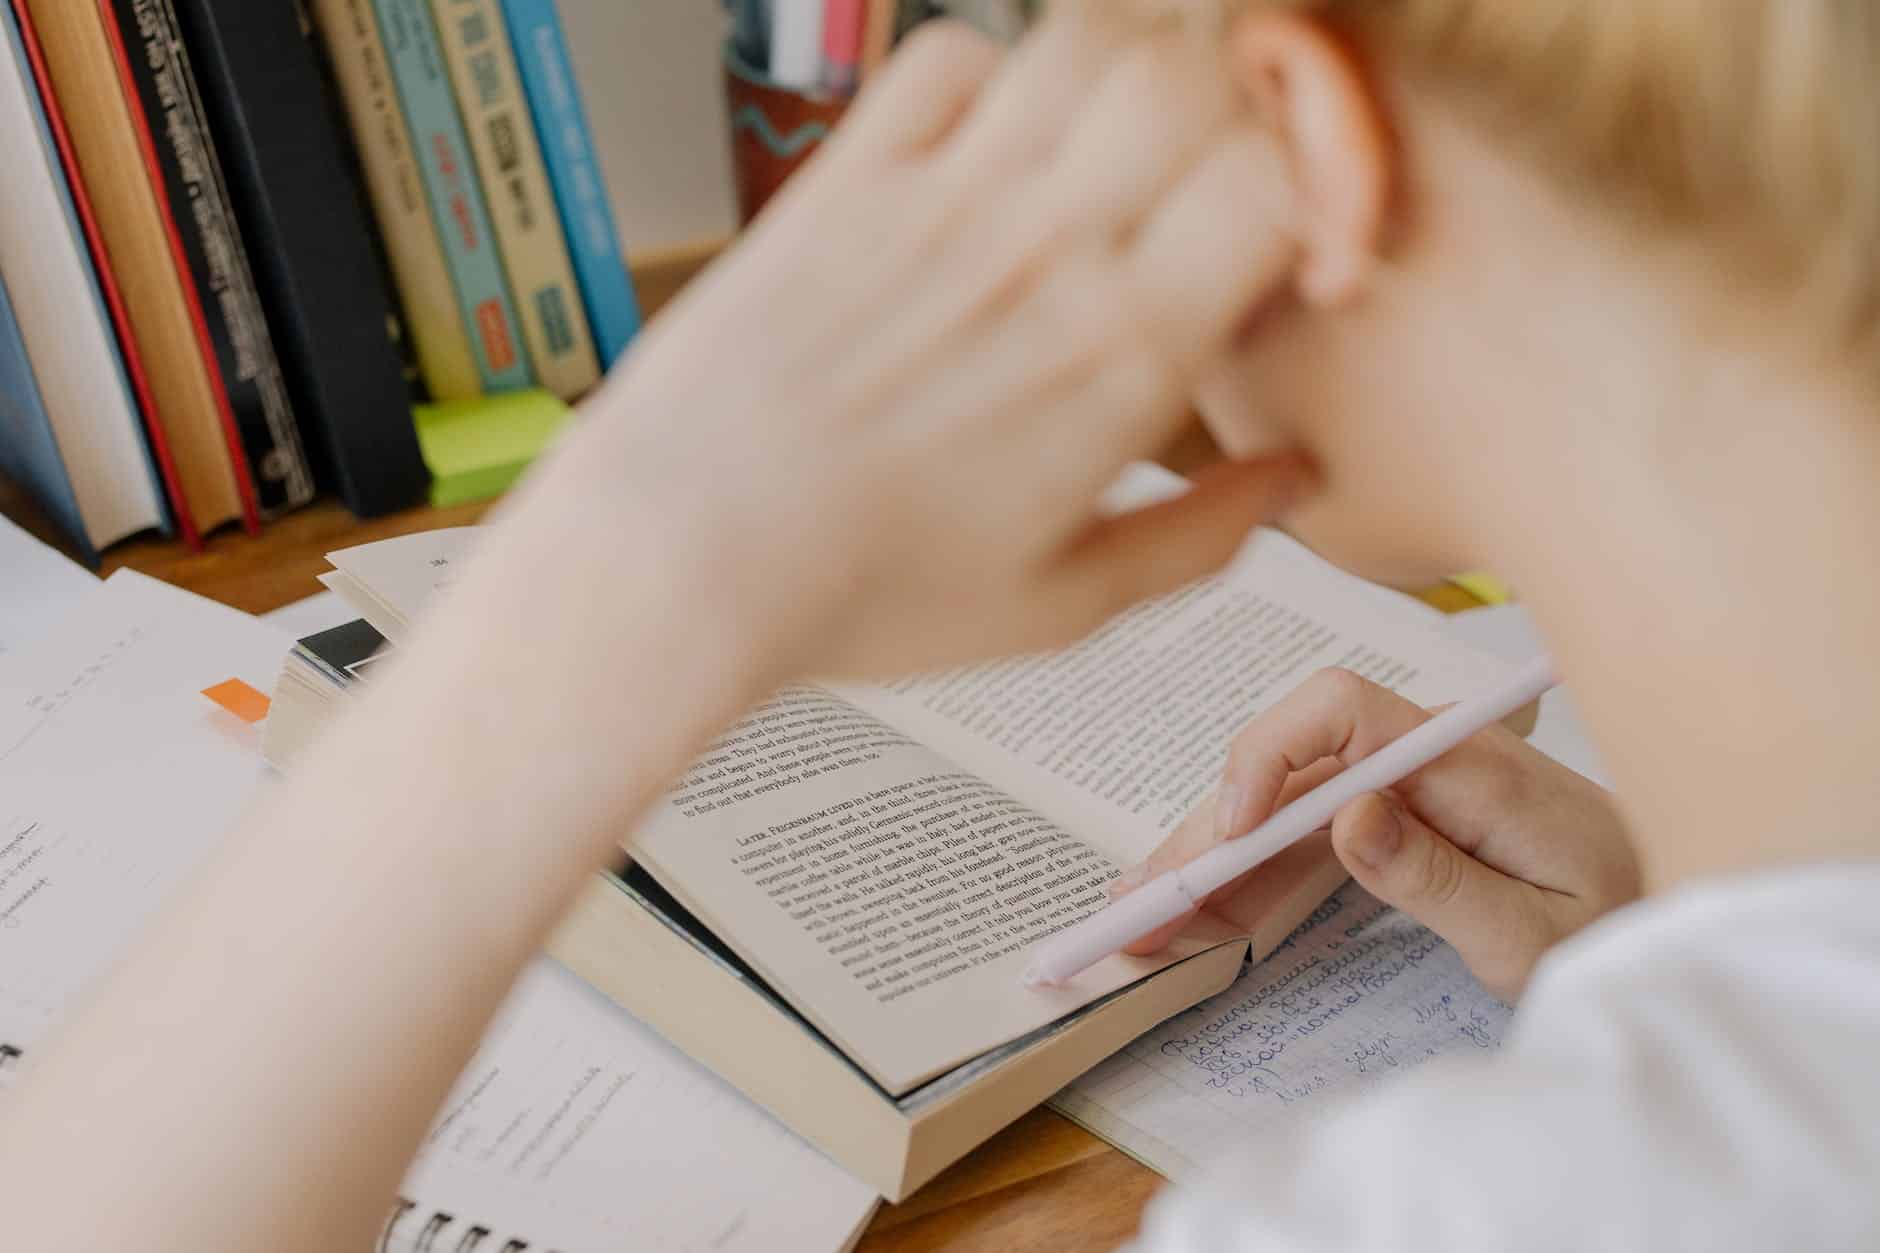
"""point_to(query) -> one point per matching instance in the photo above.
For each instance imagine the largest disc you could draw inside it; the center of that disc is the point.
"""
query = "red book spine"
(192, 299)
(107, 282)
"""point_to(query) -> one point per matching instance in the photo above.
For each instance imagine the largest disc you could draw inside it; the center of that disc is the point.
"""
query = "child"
(1583, 292)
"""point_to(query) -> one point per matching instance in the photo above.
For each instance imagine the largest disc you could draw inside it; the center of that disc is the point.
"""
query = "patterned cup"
(774, 129)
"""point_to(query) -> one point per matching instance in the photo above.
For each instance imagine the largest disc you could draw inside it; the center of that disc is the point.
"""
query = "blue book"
(28, 452)
(574, 172)
(89, 392)
(442, 150)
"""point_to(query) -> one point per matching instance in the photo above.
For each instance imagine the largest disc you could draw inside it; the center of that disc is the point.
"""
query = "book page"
(390, 582)
(888, 894)
(578, 1130)
(1121, 735)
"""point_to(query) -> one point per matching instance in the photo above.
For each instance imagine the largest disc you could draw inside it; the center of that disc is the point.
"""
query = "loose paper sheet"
(575, 1127)
(38, 587)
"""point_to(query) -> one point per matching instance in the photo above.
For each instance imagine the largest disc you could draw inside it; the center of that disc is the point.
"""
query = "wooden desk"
(1042, 1183)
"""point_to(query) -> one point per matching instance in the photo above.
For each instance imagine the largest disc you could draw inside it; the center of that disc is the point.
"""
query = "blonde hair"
(1756, 122)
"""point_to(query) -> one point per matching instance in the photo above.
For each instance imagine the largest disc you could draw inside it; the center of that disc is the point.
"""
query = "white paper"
(38, 587)
(318, 612)
(580, 1130)
(575, 1128)
(116, 777)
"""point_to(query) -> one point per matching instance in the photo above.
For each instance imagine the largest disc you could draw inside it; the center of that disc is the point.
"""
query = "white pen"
(1168, 896)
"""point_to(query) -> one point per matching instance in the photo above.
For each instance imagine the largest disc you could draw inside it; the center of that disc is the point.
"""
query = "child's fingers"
(1333, 714)
(926, 89)
(1243, 901)
(1160, 107)
(1022, 116)
(1138, 555)
(1499, 925)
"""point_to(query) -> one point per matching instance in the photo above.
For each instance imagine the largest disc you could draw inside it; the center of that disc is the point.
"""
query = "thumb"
(1499, 925)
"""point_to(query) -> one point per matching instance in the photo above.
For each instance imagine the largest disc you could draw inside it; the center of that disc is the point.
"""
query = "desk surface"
(1041, 1183)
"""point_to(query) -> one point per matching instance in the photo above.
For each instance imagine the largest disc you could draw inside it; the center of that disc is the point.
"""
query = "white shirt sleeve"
(1699, 1071)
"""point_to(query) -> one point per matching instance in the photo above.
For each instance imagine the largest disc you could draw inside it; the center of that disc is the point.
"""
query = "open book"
(832, 907)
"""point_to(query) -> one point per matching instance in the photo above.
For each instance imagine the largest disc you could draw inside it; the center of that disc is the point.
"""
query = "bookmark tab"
(239, 699)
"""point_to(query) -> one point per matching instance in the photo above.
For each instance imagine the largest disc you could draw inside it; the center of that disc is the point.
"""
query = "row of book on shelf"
(243, 239)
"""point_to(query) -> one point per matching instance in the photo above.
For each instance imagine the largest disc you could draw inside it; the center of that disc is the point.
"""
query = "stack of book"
(242, 242)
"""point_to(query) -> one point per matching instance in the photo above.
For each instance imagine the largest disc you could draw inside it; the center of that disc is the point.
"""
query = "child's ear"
(1310, 91)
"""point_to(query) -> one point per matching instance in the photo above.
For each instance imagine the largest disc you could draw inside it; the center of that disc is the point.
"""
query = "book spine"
(295, 191)
(129, 352)
(515, 181)
(456, 201)
(29, 449)
(446, 361)
(574, 170)
(160, 85)
(195, 322)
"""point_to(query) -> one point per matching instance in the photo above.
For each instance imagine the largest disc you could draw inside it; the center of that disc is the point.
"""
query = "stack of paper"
(575, 1128)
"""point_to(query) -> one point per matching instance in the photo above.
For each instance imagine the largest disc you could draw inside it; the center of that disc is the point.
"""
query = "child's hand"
(882, 423)
(1494, 846)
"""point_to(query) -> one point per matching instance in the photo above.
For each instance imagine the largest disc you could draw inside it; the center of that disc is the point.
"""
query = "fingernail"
(1227, 811)
(1378, 840)
(1128, 881)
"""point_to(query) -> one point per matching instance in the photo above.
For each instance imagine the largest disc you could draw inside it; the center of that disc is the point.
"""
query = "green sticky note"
(476, 448)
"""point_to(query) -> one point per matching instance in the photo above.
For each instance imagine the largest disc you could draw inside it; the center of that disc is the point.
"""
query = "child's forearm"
(259, 1071)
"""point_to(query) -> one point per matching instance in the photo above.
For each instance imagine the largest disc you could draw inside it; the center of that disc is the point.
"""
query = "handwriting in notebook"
(1358, 993)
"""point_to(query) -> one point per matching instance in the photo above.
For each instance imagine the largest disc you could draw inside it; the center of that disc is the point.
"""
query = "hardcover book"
(160, 86)
(69, 423)
(292, 183)
(190, 417)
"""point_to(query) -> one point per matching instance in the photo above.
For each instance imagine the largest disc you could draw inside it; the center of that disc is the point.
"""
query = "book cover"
(110, 488)
(185, 412)
(440, 334)
(160, 86)
(292, 184)
(456, 199)
(574, 171)
(509, 164)
(29, 453)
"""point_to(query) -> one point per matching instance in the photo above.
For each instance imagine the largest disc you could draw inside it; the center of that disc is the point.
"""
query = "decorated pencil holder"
(774, 129)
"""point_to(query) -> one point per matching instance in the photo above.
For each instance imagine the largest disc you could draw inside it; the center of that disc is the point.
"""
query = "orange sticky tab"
(239, 699)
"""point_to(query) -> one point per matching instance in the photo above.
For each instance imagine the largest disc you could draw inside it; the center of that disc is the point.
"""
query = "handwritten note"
(1359, 993)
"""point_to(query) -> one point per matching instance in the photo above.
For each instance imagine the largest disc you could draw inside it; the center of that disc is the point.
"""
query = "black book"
(163, 83)
(300, 206)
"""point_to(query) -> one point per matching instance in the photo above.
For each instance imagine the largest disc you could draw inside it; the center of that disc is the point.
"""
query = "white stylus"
(1168, 896)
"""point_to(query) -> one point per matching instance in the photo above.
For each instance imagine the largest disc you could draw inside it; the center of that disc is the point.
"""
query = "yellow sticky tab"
(239, 699)
(1484, 587)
